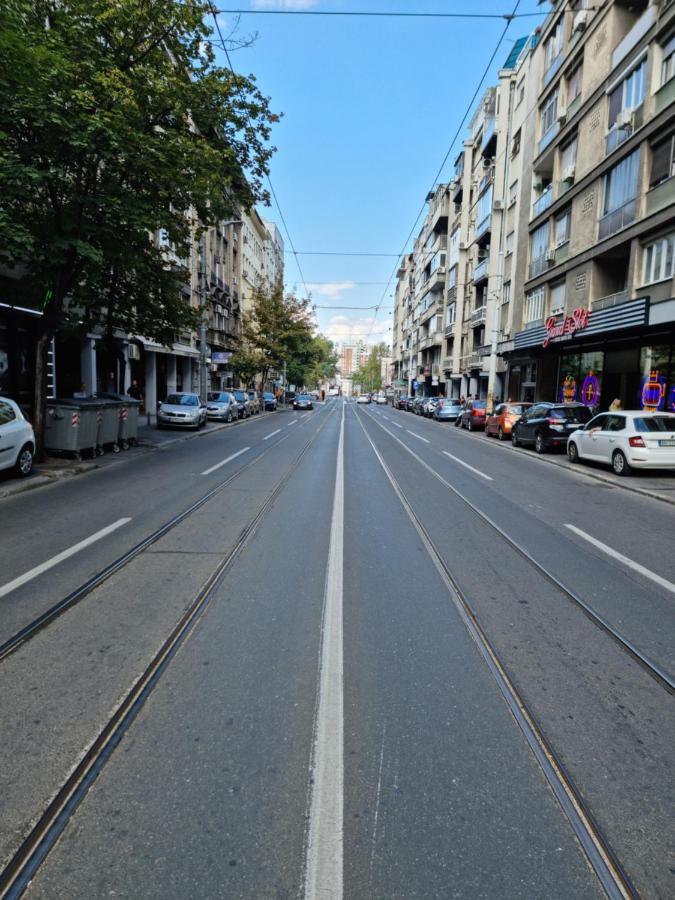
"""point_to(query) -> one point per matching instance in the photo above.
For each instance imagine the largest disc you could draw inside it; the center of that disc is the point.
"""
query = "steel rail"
(599, 853)
(22, 867)
(660, 675)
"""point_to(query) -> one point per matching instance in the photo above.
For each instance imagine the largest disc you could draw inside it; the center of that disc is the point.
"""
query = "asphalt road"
(332, 724)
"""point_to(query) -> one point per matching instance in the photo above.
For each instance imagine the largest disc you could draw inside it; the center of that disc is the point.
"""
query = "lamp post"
(202, 318)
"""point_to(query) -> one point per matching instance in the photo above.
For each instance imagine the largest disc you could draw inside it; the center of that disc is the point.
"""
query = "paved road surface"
(331, 725)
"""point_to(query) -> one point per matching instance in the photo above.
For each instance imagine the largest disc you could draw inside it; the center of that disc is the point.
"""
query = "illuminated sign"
(590, 390)
(653, 391)
(567, 325)
(568, 391)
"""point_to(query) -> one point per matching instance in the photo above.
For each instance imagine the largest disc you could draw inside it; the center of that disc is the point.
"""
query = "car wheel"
(500, 434)
(539, 445)
(572, 452)
(24, 461)
(620, 463)
(228, 418)
(514, 439)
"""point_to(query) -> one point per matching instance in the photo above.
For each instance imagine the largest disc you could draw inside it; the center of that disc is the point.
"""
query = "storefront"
(18, 337)
(624, 352)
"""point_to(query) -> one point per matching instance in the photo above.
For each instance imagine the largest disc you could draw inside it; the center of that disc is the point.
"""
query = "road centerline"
(271, 434)
(467, 466)
(60, 557)
(224, 462)
(324, 865)
(418, 436)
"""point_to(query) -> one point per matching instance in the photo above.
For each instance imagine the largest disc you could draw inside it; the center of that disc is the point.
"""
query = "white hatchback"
(17, 441)
(626, 440)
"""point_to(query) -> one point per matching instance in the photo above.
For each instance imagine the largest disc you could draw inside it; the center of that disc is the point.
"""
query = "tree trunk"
(40, 394)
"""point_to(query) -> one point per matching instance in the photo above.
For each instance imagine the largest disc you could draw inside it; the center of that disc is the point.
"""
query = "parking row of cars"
(185, 410)
(622, 439)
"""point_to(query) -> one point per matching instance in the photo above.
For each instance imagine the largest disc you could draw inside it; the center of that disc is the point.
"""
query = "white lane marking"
(294, 422)
(224, 462)
(65, 554)
(467, 466)
(324, 873)
(397, 425)
(386, 417)
(418, 436)
(304, 415)
(271, 434)
(663, 582)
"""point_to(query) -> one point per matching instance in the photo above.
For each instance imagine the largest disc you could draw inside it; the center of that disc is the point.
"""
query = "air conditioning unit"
(562, 115)
(568, 173)
(462, 246)
(625, 119)
(549, 256)
(497, 205)
(487, 162)
(580, 21)
(538, 186)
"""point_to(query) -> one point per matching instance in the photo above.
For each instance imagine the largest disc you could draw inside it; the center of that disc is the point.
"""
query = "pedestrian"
(462, 400)
(615, 405)
(134, 391)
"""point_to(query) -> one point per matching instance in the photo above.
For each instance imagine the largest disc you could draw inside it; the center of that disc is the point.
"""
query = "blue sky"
(370, 107)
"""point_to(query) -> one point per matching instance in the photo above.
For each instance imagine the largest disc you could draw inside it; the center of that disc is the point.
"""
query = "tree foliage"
(369, 375)
(115, 123)
(247, 364)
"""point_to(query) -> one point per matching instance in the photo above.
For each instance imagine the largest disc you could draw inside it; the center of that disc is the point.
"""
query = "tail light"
(636, 442)
(555, 424)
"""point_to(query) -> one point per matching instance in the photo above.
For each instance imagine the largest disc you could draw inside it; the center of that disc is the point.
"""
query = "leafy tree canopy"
(369, 375)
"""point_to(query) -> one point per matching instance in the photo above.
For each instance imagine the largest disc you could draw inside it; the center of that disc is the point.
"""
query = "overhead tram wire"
(214, 13)
(486, 70)
(389, 14)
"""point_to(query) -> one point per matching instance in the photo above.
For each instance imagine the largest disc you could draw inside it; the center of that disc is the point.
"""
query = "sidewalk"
(60, 468)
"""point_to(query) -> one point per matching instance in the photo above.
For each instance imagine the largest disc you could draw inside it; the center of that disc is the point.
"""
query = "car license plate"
(667, 443)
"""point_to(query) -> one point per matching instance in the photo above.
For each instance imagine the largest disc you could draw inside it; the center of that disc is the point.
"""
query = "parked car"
(502, 420)
(181, 411)
(244, 403)
(473, 415)
(418, 405)
(221, 406)
(270, 401)
(17, 440)
(548, 425)
(381, 399)
(401, 402)
(254, 399)
(303, 401)
(447, 410)
(363, 398)
(410, 404)
(626, 440)
(289, 397)
(430, 406)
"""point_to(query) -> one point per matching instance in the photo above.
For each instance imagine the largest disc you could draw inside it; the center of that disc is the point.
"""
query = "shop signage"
(566, 326)
(220, 357)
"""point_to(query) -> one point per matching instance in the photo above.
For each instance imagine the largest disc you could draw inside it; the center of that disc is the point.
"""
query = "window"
(515, 146)
(574, 85)
(506, 292)
(513, 193)
(484, 206)
(562, 228)
(450, 315)
(453, 248)
(620, 183)
(557, 298)
(663, 161)
(553, 45)
(6, 413)
(628, 94)
(568, 159)
(534, 305)
(452, 277)
(539, 241)
(509, 242)
(658, 260)
(668, 64)
(520, 91)
(549, 113)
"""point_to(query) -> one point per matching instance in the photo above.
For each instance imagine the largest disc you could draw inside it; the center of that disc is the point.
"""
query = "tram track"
(50, 615)
(21, 868)
(598, 851)
(657, 672)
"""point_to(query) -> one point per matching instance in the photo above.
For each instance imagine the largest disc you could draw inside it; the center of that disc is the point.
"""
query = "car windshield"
(182, 400)
(216, 396)
(655, 423)
(571, 413)
(268, 396)
(516, 408)
(240, 395)
(303, 398)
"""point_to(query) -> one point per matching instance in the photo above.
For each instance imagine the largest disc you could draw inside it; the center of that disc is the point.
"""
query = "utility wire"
(387, 15)
(214, 13)
(452, 144)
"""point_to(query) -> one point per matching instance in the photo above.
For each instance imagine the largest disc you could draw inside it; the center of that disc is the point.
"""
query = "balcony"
(485, 181)
(474, 361)
(478, 316)
(480, 273)
(540, 264)
(634, 36)
(542, 202)
(489, 142)
(449, 330)
(609, 301)
(452, 294)
(447, 364)
(548, 136)
(549, 74)
(431, 340)
(661, 196)
(483, 228)
(617, 219)
(665, 95)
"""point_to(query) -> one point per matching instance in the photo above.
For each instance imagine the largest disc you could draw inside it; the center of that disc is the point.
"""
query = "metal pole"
(285, 384)
(202, 318)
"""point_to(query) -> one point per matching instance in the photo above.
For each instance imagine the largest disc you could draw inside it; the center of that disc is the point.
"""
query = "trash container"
(127, 419)
(109, 419)
(72, 426)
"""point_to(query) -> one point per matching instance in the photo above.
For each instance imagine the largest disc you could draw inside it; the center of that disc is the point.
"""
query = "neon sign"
(653, 391)
(568, 325)
(672, 398)
(568, 391)
(590, 390)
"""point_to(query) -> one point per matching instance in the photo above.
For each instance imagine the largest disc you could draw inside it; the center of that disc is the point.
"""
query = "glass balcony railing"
(617, 219)
(553, 68)
(548, 136)
(542, 202)
(481, 271)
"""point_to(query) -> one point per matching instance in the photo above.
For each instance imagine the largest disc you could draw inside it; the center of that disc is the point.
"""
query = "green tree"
(323, 362)
(116, 122)
(369, 375)
(246, 364)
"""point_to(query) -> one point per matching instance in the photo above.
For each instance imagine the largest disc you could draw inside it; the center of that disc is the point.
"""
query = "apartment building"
(597, 308)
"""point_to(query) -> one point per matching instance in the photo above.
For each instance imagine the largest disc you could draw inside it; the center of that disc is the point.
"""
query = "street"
(380, 657)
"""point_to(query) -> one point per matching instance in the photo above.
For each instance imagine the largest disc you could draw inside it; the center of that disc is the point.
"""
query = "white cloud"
(333, 289)
(284, 4)
(365, 328)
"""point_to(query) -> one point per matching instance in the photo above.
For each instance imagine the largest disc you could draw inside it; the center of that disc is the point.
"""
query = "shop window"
(663, 161)
(658, 260)
(668, 64)
(580, 378)
(657, 388)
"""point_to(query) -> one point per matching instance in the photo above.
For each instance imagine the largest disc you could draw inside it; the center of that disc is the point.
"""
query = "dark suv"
(548, 425)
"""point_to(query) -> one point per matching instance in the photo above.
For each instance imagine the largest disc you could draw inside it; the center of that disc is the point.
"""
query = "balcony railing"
(553, 68)
(548, 136)
(484, 226)
(539, 264)
(489, 135)
(474, 361)
(478, 316)
(542, 202)
(610, 300)
(449, 330)
(634, 36)
(447, 364)
(480, 273)
(616, 136)
(617, 219)
(661, 196)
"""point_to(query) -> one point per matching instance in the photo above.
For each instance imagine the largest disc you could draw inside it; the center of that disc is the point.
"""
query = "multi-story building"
(596, 317)
(274, 254)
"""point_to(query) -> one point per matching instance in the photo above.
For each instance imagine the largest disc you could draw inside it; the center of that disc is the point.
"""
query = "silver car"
(221, 406)
(181, 411)
(447, 410)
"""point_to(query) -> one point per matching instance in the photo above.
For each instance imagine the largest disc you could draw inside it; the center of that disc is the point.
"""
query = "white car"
(363, 398)
(626, 440)
(381, 399)
(17, 441)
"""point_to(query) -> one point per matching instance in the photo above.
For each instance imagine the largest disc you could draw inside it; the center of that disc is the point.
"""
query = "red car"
(473, 415)
(502, 420)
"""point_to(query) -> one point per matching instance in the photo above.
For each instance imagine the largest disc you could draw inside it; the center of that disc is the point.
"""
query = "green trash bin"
(72, 426)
